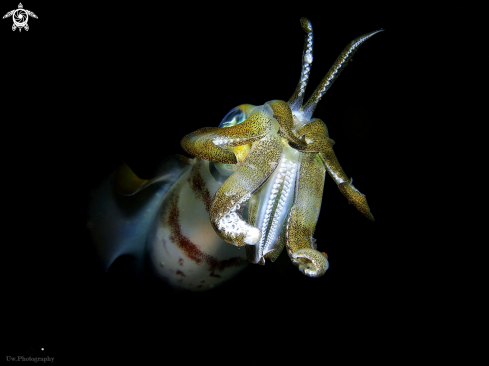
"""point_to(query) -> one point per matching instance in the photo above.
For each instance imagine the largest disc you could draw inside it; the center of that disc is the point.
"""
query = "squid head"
(274, 158)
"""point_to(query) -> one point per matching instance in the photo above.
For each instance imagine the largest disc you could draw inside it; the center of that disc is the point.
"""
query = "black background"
(90, 85)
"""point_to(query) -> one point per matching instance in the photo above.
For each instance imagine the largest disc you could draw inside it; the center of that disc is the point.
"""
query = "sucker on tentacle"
(256, 182)
(334, 72)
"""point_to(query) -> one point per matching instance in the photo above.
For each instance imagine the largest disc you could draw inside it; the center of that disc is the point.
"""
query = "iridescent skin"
(256, 182)
(279, 132)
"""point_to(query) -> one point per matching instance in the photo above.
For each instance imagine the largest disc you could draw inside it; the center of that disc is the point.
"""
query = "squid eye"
(234, 117)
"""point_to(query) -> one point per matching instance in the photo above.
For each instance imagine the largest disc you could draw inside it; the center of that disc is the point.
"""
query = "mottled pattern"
(283, 114)
(304, 214)
(199, 186)
(295, 101)
(192, 250)
(336, 172)
(237, 189)
(279, 246)
(311, 262)
(210, 143)
(241, 152)
(276, 133)
(200, 144)
(316, 136)
(356, 198)
(271, 204)
(273, 157)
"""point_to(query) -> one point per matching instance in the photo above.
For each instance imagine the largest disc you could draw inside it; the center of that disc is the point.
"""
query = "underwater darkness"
(96, 94)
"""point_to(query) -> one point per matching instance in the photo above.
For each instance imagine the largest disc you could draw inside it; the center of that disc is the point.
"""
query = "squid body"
(254, 187)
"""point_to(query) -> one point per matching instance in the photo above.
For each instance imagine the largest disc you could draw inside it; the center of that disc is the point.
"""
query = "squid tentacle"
(344, 183)
(268, 162)
(316, 136)
(283, 114)
(303, 217)
(310, 262)
(333, 73)
(297, 98)
(225, 212)
(211, 143)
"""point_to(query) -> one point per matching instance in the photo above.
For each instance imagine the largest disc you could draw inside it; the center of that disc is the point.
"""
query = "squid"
(253, 188)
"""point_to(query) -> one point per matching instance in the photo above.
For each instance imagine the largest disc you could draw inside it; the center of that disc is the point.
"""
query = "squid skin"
(254, 188)
(163, 224)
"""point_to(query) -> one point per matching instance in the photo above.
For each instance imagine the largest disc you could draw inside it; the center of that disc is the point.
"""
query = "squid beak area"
(241, 152)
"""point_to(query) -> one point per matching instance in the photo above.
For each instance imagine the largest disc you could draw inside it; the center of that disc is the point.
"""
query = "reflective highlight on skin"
(285, 204)
(256, 182)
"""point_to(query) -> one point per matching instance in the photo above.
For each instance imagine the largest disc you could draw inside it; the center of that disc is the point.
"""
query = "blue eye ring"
(234, 117)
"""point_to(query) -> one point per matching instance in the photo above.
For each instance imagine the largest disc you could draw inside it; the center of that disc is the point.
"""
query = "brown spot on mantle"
(199, 187)
(192, 250)
(180, 262)
(180, 273)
